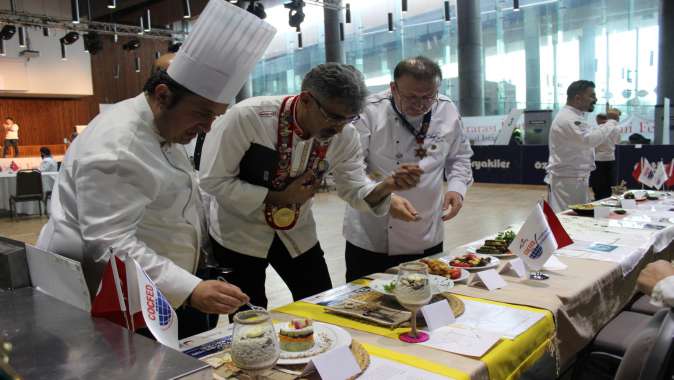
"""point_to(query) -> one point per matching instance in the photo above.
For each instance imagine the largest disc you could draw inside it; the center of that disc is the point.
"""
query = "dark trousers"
(361, 262)
(305, 275)
(5, 148)
(602, 178)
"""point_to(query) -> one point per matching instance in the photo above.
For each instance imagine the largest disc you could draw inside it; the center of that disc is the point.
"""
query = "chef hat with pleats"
(221, 51)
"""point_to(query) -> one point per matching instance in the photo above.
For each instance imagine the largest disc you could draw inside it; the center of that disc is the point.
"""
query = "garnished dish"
(297, 335)
(638, 195)
(586, 209)
(472, 261)
(498, 245)
(440, 268)
(439, 284)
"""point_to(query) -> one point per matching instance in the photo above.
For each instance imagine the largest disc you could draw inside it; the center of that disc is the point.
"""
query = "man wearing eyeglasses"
(262, 165)
(409, 123)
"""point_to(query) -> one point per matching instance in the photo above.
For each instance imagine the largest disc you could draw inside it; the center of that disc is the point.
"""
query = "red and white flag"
(647, 175)
(661, 176)
(670, 173)
(126, 291)
(541, 235)
(636, 171)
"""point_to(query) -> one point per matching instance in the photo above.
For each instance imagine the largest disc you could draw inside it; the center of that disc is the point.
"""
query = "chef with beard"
(126, 185)
(572, 142)
(262, 164)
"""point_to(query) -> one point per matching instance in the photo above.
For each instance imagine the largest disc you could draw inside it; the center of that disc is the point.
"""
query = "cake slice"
(297, 335)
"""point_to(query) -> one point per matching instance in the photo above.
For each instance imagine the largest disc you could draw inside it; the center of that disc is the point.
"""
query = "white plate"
(639, 195)
(439, 284)
(326, 338)
(492, 264)
(464, 275)
(472, 249)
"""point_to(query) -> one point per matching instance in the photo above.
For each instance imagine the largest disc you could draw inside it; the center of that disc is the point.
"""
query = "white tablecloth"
(24, 162)
(8, 187)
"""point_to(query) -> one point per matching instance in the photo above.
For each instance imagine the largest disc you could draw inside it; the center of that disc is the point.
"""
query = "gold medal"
(283, 217)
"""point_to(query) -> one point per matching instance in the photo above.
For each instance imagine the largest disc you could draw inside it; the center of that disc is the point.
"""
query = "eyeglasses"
(331, 117)
(421, 100)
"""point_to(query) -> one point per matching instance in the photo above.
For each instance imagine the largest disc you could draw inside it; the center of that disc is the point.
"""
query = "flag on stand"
(647, 174)
(541, 235)
(670, 173)
(125, 291)
(660, 177)
(14, 166)
(636, 172)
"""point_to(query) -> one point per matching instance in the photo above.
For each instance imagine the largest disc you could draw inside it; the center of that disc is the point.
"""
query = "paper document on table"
(381, 368)
(626, 257)
(505, 321)
(462, 341)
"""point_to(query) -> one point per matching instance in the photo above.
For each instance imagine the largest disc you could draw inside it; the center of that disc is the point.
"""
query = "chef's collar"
(145, 114)
(576, 110)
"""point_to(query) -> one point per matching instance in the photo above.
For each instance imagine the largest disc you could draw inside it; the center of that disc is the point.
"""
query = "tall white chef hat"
(221, 51)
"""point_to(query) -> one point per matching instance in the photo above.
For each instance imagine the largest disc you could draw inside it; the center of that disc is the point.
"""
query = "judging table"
(575, 302)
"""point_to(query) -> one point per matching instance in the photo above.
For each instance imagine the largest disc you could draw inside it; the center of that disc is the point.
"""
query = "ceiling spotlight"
(299, 41)
(115, 73)
(45, 31)
(404, 6)
(257, 8)
(115, 37)
(112, 4)
(142, 25)
(22, 36)
(63, 51)
(92, 42)
(448, 16)
(516, 5)
(132, 44)
(75, 8)
(70, 38)
(187, 9)
(296, 13)
(341, 31)
(137, 64)
(2, 47)
(348, 13)
(390, 22)
(7, 32)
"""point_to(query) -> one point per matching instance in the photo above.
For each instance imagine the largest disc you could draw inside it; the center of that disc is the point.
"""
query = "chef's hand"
(402, 209)
(217, 297)
(405, 177)
(652, 274)
(300, 190)
(453, 199)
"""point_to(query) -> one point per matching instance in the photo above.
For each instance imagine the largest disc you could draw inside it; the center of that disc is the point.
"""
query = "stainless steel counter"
(53, 340)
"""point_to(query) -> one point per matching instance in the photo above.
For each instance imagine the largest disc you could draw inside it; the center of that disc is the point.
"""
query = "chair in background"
(28, 189)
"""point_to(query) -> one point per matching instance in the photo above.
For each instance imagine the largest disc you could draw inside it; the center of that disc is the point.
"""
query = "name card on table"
(489, 278)
(337, 364)
(628, 203)
(438, 314)
(514, 267)
(601, 212)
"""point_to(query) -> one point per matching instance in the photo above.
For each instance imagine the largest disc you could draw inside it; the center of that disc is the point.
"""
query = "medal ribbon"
(285, 217)
(420, 135)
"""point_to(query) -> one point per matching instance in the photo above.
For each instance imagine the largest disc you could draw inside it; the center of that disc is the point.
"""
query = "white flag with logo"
(160, 318)
(647, 174)
(660, 176)
(541, 235)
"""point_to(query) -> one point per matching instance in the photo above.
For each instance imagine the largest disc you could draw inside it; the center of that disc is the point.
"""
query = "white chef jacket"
(12, 132)
(387, 144)
(48, 165)
(606, 150)
(237, 212)
(122, 186)
(572, 141)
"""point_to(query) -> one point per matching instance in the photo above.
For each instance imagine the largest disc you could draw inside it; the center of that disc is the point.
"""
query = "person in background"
(11, 136)
(48, 163)
(126, 186)
(605, 175)
(262, 165)
(571, 143)
(409, 123)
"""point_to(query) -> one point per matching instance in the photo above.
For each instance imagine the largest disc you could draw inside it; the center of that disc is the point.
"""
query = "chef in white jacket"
(126, 183)
(572, 141)
(262, 163)
(390, 128)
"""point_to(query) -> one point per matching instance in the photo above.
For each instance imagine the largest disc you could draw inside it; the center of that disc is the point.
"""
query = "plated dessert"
(297, 335)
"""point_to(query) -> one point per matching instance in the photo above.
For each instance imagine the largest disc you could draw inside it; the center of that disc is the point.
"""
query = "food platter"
(493, 262)
(326, 337)
(439, 284)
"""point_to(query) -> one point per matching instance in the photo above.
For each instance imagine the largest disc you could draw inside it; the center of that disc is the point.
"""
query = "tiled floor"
(488, 209)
